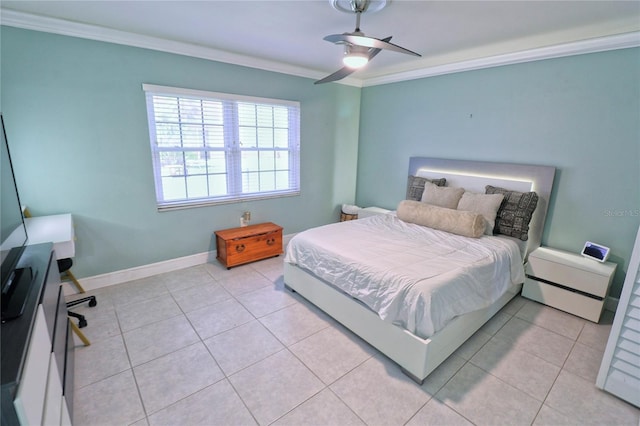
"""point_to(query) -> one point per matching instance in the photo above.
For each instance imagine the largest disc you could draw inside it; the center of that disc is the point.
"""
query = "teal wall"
(77, 126)
(76, 121)
(580, 114)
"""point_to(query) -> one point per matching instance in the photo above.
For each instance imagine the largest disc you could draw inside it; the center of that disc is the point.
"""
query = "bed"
(413, 292)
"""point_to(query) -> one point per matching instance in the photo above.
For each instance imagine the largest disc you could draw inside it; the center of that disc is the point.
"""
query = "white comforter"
(416, 277)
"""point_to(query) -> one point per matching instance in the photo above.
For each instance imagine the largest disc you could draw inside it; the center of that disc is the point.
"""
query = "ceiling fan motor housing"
(359, 6)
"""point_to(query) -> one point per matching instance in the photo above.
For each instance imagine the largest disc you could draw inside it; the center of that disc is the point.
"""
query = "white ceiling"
(286, 35)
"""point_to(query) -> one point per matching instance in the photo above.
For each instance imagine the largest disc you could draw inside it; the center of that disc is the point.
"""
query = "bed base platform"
(416, 357)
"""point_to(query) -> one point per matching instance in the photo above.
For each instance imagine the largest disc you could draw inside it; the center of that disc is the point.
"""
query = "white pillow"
(442, 196)
(458, 222)
(485, 204)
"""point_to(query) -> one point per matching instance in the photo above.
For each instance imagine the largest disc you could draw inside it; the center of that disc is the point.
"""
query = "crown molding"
(600, 44)
(92, 32)
(29, 21)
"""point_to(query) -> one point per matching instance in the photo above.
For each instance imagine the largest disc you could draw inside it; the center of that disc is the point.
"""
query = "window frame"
(233, 152)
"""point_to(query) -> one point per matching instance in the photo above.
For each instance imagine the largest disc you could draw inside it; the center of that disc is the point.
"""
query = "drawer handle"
(271, 241)
(240, 248)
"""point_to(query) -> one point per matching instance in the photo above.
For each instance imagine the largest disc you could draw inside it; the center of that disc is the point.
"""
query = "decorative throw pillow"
(441, 196)
(485, 204)
(515, 212)
(415, 186)
(467, 224)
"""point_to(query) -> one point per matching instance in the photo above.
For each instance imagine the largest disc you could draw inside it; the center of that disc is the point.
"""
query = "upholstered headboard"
(475, 175)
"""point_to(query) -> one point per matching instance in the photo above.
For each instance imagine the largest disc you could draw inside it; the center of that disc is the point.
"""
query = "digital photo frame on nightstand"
(595, 251)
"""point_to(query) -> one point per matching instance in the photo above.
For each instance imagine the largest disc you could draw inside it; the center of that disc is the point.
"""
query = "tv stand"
(37, 349)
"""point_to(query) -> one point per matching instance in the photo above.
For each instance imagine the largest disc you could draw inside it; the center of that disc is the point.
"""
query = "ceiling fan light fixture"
(355, 56)
(355, 61)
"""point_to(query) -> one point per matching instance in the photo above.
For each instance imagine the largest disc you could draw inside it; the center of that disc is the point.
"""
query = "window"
(218, 148)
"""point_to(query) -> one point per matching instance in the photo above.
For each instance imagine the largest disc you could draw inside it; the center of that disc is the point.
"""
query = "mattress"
(413, 276)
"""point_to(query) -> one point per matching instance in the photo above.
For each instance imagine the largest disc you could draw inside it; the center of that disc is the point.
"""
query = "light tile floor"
(211, 346)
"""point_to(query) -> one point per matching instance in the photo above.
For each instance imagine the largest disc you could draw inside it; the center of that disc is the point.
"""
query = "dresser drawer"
(31, 395)
(238, 246)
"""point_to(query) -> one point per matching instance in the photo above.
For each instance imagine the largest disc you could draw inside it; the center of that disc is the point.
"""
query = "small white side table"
(371, 211)
(568, 281)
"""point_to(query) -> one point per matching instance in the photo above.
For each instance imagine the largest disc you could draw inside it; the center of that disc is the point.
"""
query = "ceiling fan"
(358, 48)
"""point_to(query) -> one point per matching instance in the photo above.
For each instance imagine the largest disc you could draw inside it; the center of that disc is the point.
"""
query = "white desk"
(56, 229)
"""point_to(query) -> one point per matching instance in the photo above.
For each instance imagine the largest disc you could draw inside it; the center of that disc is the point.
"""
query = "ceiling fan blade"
(374, 52)
(368, 42)
(338, 75)
(345, 71)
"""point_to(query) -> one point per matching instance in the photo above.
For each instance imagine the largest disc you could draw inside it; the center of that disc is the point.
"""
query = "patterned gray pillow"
(415, 186)
(514, 213)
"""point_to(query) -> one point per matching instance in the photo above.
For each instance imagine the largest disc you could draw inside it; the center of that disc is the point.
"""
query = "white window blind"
(218, 148)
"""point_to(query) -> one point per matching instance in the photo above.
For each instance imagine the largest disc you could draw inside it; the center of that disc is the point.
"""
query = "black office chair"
(64, 266)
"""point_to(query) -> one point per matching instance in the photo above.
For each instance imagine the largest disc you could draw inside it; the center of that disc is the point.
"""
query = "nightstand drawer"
(568, 276)
(568, 301)
(571, 270)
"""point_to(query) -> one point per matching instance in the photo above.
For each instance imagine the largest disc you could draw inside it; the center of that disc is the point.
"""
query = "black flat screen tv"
(15, 281)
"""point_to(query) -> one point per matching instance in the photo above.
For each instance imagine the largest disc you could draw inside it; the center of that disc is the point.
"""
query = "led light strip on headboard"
(476, 182)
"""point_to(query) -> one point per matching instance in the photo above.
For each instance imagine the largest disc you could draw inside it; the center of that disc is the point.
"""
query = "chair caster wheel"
(92, 303)
(82, 323)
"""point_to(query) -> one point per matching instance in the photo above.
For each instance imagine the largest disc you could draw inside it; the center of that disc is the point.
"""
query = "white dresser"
(568, 281)
(36, 355)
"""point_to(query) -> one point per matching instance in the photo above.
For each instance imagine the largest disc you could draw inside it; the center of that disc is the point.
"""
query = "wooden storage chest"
(237, 246)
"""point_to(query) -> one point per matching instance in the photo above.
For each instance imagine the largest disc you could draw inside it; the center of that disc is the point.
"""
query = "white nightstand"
(568, 281)
(371, 211)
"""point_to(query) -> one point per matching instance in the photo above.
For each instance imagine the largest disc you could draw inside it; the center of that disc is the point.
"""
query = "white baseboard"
(118, 277)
